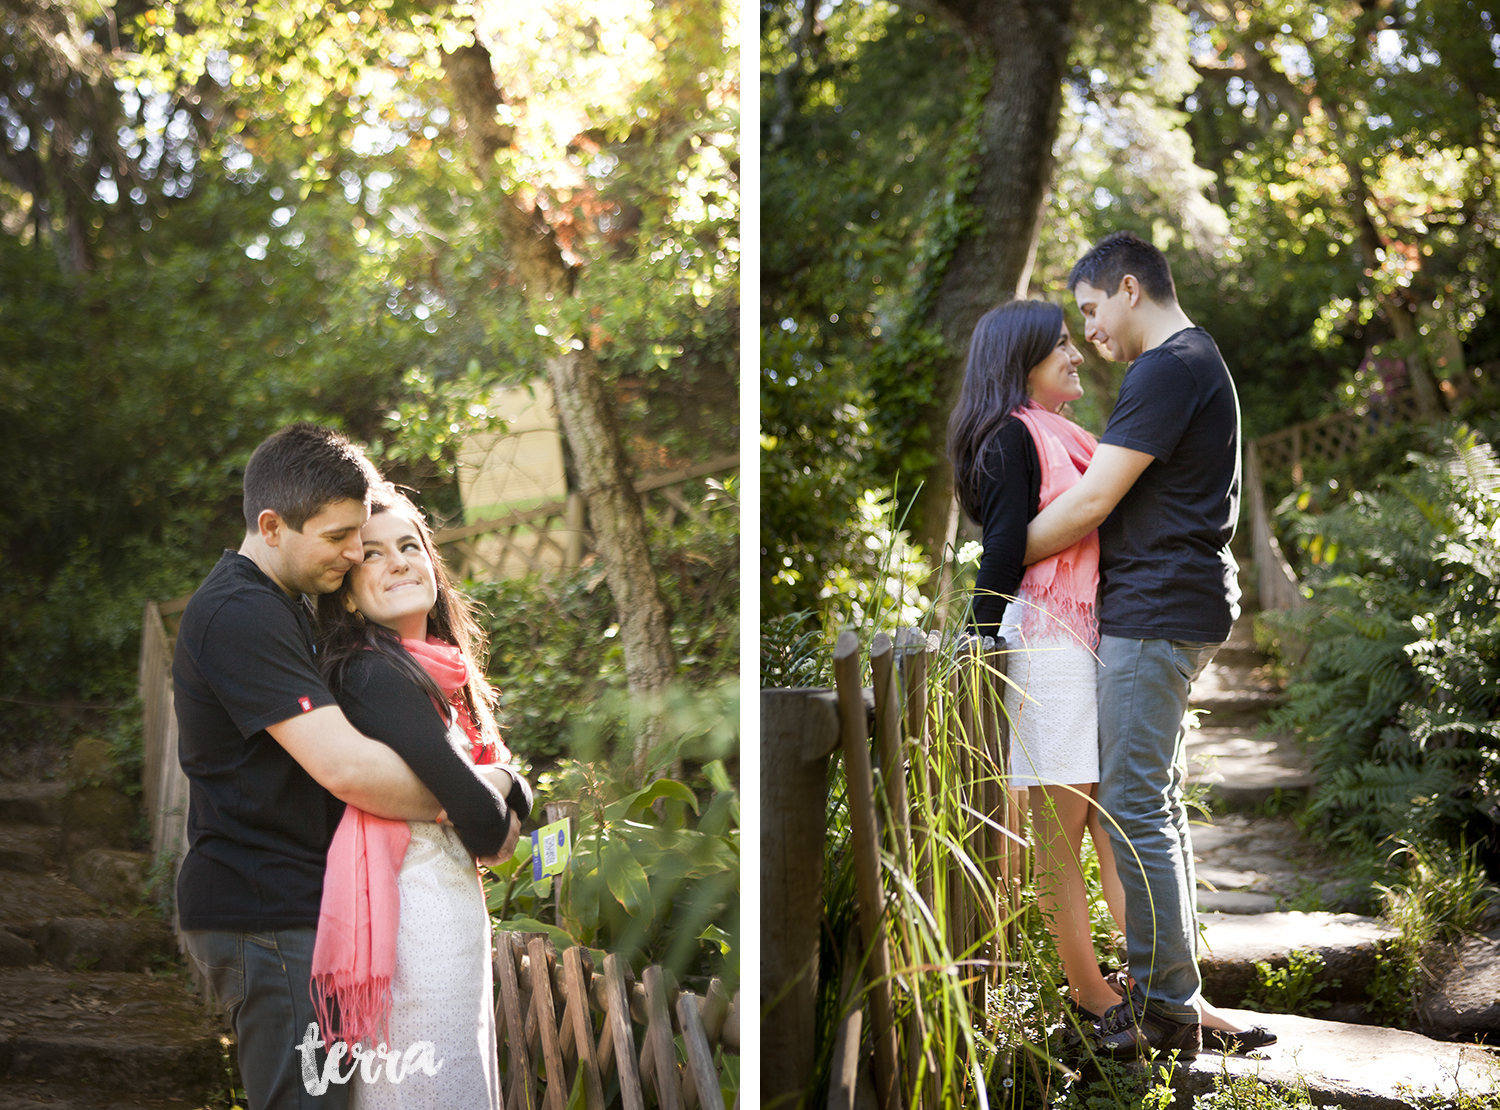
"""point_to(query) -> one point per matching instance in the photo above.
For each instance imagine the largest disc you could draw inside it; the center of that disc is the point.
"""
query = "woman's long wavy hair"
(1008, 343)
(342, 634)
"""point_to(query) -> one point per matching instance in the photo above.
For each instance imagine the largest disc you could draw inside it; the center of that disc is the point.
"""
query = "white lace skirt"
(1054, 734)
(442, 992)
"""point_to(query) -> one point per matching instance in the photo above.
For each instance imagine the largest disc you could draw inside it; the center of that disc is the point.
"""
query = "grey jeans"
(1143, 696)
(261, 982)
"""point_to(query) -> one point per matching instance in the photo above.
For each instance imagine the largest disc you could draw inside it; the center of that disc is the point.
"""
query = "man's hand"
(352, 767)
(507, 849)
(1083, 508)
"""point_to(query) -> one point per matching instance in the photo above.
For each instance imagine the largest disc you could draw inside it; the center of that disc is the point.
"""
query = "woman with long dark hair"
(1013, 453)
(403, 944)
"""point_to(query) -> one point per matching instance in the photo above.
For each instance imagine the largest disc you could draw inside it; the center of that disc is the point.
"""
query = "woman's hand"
(508, 849)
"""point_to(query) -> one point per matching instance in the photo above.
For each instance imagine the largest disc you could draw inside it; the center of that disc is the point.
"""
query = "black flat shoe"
(1246, 1040)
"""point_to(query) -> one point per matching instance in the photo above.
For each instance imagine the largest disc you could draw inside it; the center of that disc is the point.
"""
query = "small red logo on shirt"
(306, 704)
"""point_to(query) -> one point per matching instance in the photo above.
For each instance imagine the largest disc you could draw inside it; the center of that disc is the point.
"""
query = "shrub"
(1399, 694)
(654, 875)
(554, 653)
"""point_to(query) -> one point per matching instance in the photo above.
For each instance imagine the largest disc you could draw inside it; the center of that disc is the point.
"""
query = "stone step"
(116, 878)
(149, 1036)
(1245, 769)
(1234, 694)
(1355, 1066)
(34, 803)
(104, 944)
(1249, 863)
(48, 1094)
(28, 901)
(1233, 943)
(1241, 646)
(1461, 991)
(27, 847)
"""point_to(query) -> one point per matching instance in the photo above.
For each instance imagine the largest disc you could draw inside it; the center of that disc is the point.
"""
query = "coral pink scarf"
(1063, 585)
(354, 955)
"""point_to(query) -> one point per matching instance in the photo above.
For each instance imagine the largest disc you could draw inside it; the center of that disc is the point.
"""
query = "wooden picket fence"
(575, 1028)
(801, 730)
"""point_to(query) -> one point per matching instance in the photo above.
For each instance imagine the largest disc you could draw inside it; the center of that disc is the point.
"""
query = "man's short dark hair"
(1123, 253)
(301, 470)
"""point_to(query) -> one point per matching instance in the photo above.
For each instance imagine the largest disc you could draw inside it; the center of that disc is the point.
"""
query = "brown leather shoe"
(1131, 1029)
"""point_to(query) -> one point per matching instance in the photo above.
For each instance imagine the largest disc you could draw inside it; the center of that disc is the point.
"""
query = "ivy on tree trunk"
(1022, 48)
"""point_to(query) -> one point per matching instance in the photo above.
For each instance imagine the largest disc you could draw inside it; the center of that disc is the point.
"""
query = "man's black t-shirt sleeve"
(1157, 403)
(1011, 493)
(256, 659)
(386, 705)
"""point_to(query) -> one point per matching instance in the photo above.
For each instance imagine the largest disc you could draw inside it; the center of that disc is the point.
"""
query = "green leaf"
(717, 776)
(718, 936)
(634, 804)
(626, 879)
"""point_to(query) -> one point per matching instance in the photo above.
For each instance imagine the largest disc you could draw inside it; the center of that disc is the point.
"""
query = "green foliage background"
(1233, 137)
(221, 218)
(1399, 691)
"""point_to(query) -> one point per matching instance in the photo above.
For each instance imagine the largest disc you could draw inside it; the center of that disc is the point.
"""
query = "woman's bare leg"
(1109, 878)
(1059, 815)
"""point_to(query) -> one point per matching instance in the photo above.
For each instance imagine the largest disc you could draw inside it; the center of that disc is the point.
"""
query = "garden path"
(1266, 889)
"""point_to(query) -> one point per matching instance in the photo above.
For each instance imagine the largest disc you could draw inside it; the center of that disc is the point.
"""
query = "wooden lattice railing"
(572, 1028)
(1331, 437)
(1283, 453)
(552, 534)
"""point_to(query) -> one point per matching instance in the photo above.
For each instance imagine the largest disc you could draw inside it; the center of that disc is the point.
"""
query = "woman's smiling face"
(1054, 381)
(395, 586)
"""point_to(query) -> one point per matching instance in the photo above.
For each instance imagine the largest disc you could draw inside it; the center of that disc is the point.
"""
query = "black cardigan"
(387, 705)
(1011, 494)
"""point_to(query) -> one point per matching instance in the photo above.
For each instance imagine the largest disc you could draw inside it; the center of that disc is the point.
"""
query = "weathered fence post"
(865, 833)
(799, 731)
(912, 650)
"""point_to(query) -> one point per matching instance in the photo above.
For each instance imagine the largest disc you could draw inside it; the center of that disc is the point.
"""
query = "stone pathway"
(1266, 890)
(96, 1011)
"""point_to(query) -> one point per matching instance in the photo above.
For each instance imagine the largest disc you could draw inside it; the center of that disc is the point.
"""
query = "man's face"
(1108, 320)
(315, 560)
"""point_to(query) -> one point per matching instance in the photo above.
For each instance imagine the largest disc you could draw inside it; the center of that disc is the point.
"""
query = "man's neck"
(254, 549)
(1161, 323)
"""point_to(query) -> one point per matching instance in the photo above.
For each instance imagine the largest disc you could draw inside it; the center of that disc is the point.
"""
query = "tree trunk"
(1025, 43)
(583, 406)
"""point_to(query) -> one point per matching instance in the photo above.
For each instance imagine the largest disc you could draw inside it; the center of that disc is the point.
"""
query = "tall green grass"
(976, 982)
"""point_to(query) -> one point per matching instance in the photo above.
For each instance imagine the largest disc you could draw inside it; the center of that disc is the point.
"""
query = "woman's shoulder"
(1011, 440)
(371, 669)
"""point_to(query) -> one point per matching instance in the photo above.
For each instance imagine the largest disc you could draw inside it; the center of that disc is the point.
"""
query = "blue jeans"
(261, 982)
(1143, 696)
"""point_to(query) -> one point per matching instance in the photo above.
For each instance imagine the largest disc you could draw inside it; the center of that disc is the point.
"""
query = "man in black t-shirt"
(1163, 490)
(270, 757)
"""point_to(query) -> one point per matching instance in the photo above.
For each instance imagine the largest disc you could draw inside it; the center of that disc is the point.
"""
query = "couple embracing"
(345, 774)
(1110, 559)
